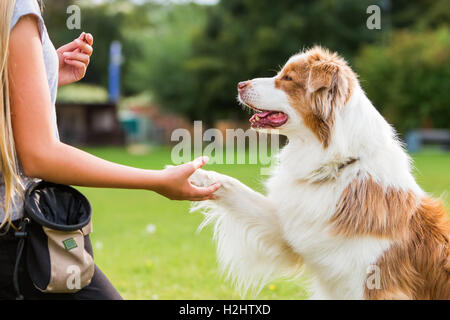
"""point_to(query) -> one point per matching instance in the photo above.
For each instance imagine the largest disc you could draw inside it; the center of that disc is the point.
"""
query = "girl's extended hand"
(74, 59)
(175, 183)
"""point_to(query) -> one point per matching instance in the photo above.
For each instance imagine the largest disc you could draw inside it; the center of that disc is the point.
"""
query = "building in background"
(85, 117)
(149, 124)
(87, 124)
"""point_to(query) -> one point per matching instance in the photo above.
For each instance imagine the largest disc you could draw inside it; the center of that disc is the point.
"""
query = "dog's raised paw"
(201, 178)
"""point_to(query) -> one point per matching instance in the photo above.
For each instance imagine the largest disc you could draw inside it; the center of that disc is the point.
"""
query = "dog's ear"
(327, 87)
(322, 75)
(321, 86)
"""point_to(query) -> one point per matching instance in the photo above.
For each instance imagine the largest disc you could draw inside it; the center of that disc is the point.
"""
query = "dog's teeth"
(257, 118)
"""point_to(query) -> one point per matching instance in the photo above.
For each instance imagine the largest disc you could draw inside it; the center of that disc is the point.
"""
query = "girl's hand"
(74, 59)
(175, 185)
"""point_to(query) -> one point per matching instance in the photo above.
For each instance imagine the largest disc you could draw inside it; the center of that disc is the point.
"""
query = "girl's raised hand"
(74, 59)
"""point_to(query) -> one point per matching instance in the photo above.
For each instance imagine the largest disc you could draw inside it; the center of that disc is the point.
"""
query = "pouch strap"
(87, 229)
(21, 233)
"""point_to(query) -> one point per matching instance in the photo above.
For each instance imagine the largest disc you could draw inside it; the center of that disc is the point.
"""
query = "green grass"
(175, 262)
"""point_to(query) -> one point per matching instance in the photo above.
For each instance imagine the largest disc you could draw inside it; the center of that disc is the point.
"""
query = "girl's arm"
(43, 156)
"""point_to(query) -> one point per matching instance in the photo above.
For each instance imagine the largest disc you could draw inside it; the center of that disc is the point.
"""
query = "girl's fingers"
(77, 64)
(213, 197)
(78, 45)
(190, 167)
(79, 56)
(84, 47)
(205, 191)
(69, 47)
(199, 162)
(82, 43)
(204, 199)
(210, 197)
(89, 38)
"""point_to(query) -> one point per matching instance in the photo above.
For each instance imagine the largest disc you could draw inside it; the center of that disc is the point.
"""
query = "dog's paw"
(204, 178)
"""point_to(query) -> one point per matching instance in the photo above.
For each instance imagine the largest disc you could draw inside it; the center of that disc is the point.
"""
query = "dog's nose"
(242, 85)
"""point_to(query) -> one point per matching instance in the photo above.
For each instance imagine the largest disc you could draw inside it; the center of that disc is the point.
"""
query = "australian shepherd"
(341, 201)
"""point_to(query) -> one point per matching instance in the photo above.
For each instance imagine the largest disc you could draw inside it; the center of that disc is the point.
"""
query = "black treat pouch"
(59, 255)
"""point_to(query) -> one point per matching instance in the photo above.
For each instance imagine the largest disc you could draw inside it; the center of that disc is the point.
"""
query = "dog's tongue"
(268, 119)
(261, 114)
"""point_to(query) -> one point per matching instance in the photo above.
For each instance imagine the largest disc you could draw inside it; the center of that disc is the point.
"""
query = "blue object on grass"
(115, 59)
(413, 141)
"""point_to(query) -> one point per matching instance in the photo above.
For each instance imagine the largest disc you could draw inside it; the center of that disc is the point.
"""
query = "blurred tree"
(107, 22)
(244, 39)
(409, 78)
(419, 14)
(160, 66)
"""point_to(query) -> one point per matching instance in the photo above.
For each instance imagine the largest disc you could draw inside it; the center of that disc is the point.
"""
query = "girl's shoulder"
(27, 7)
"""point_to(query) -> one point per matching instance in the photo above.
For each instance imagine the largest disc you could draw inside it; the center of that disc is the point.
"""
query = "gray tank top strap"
(27, 7)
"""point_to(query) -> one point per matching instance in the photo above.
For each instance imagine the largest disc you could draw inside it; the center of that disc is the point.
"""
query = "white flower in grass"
(150, 229)
(98, 245)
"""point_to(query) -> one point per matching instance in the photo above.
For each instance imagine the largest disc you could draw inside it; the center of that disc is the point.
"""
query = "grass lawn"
(148, 245)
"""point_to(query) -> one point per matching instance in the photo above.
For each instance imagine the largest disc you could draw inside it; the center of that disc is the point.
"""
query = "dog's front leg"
(250, 243)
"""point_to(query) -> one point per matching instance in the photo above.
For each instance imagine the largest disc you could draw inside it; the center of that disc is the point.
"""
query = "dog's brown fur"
(417, 265)
(368, 209)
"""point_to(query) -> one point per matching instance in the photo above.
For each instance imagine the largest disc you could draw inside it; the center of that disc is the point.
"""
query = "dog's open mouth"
(268, 119)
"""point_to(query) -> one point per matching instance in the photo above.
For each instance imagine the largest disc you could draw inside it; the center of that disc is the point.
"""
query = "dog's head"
(308, 91)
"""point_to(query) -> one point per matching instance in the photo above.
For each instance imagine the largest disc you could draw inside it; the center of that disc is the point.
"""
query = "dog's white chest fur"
(304, 211)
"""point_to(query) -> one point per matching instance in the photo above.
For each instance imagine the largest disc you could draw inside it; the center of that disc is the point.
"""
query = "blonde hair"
(8, 158)
(41, 4)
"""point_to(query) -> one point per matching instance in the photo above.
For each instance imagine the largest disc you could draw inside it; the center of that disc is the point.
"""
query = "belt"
(9, 229)
(16, 230)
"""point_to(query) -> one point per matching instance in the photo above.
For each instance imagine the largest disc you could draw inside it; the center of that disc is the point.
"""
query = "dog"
(341, 201)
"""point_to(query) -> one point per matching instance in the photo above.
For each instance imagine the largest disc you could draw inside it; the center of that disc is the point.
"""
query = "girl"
(30, 71)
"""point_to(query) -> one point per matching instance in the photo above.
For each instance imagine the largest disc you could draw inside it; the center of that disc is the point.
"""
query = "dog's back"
(419, 262)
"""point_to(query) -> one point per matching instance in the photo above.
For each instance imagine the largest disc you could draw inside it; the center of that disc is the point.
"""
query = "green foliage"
(82, 93)
(253, 38)
(161, 64)
(419, 14)
(106, 22)
(408, 79)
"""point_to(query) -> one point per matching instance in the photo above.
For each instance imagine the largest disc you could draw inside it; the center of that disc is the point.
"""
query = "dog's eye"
(286, 78)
